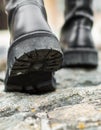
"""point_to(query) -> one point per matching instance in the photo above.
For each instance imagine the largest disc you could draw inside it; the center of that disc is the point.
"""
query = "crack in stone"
(64, 101)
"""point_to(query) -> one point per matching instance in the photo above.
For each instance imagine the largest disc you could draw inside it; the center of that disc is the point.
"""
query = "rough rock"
(75, 105)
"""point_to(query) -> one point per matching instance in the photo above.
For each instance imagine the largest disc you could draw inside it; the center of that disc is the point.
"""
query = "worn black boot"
(34, 52)
(76, 39)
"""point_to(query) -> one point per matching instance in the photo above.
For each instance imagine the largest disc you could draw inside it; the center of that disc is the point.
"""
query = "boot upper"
(26, 17)
(76, 31)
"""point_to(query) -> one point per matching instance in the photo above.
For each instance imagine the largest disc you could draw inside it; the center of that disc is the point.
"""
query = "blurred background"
(55, 11)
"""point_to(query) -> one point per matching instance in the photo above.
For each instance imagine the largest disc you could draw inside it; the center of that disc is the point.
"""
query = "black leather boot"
(34, 52)
(76, 39)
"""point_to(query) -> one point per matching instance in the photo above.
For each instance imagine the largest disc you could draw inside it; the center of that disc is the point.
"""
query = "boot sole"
(81, 57)
(36, 56)
(32, 83)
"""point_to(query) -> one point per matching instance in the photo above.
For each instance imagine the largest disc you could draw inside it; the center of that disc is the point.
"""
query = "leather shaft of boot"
(26, 17)
(79, 9)
(76, 32)
(11, 4)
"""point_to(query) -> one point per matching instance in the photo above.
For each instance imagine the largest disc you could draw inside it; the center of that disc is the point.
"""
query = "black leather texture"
(76, 32)
(25, 17)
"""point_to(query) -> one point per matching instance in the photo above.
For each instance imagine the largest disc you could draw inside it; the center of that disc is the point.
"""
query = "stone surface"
(75, 105)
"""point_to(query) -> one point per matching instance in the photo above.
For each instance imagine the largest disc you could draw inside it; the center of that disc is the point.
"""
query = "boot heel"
(32, 83)
(35, 54)
(85, 58)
